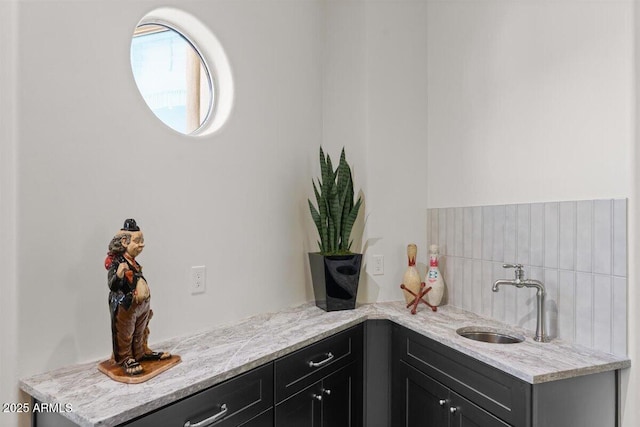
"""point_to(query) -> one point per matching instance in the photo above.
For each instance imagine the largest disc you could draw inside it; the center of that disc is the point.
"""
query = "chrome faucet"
(520, 282)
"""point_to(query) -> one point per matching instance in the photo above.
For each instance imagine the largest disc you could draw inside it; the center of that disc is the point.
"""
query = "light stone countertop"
(211, 357)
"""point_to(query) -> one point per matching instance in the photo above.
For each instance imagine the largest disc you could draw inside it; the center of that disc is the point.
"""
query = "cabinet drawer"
(301, 368)
(497, 392)
(234, 402)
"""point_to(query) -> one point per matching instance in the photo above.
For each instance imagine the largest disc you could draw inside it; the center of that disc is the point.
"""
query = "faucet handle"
(516, 266)
(519, 271)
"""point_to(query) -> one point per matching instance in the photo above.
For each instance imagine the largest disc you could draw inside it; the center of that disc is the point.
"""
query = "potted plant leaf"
(335, 270)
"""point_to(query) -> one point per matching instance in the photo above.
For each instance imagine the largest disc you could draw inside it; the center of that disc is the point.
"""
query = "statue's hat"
(130, 225)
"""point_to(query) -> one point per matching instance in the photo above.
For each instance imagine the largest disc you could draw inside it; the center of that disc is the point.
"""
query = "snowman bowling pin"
(434, 278)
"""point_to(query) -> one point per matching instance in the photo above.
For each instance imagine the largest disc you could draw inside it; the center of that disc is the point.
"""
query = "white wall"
(529, 101)
(91, 154)
(631, 378)
(8, 287)
(533, 101)
(375, 101)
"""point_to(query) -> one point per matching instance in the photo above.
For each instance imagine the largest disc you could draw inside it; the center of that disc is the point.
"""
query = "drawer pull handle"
(322, 362)
(212, 419)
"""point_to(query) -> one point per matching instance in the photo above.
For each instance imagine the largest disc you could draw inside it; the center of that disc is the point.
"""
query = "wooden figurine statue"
(129, 301)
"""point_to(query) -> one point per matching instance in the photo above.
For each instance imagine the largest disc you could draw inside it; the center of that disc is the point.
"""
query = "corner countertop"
(211, 357)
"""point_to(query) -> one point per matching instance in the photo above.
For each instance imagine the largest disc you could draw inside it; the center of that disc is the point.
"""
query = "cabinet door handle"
(453, 410)
(442, 402)
(326, 391)
(317, 397)
(212, 419)
(328, 359)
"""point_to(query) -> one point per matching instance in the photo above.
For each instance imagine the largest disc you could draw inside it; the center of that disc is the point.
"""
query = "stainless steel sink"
(489, 335)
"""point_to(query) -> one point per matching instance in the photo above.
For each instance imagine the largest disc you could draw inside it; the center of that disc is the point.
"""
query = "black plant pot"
(335, 280)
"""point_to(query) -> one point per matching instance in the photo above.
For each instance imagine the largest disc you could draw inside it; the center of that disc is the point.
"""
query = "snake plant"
(336, 211)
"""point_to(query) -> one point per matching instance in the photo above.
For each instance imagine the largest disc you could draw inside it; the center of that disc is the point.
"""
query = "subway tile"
(551, 301)
(602, 306)
(619, 317)
(584, 235)
(584, 309)
(510, 234)
(497, 254)
(451, 231)
(476, 286)
(527, 308)
(499, 298)
(566, 305)
(458, 249)
(523, 225)
(432, 227)
(602, 236)
(442, 231)
(467, 233)
(485, 290)
(567, 235)
(551, 238)
(448, 274)
(510, 304)
(477, 233)
(458, 274)
(620, 237)
(537, 235)
(467, 288)
(487, 232)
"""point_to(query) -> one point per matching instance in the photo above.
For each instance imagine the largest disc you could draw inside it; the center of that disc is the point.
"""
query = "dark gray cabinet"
(427, 403)
(322, 385)
(245, 400)
(436, 386)
(331, 402)
(420, 365)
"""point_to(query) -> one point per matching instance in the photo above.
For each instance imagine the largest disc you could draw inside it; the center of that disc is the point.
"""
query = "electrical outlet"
(198, 279)
(378, 264)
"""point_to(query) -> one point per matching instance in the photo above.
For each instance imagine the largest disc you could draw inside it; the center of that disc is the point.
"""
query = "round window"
(184, 79)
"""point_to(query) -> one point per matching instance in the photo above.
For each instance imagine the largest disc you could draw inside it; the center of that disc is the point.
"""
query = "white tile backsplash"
(602, 236)
(523, 232)
(567, 236)
(578, 249)
(551, 229)
(584, 235)
(537, 235)
(620, 238)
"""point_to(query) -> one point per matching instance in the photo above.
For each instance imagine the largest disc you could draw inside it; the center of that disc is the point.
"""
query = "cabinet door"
(263, 420)
(422, 401)
(303, 409)
(341, 398)
(466, 414)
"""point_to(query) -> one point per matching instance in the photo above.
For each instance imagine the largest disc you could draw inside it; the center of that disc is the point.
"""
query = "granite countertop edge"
(438, 326)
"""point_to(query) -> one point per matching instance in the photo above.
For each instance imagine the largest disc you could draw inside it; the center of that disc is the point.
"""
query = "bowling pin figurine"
(411, 279)
(434, 278)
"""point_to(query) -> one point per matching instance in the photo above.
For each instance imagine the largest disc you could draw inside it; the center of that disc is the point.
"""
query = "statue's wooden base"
(151, 368)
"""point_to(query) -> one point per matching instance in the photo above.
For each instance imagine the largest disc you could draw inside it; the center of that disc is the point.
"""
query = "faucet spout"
(497, 284)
